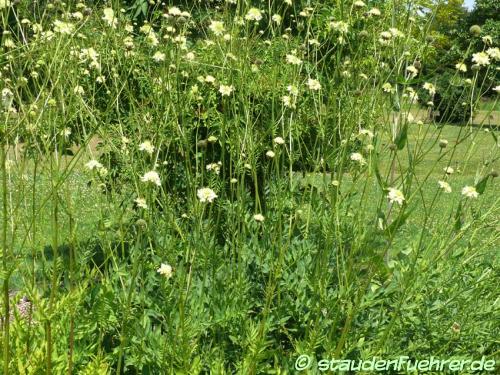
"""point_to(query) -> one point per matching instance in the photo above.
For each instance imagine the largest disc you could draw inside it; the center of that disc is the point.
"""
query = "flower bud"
(475, 30)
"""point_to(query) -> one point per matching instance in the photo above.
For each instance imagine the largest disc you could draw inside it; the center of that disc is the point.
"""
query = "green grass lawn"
(473, 153)
(474, 156)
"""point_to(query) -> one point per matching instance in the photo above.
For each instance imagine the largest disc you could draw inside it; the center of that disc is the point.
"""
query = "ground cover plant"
(224, 186)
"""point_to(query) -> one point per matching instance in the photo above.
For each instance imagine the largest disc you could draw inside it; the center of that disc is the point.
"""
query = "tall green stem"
(5, 253)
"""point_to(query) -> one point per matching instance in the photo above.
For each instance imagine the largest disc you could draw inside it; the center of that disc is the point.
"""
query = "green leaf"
(494, 136)
(68, 152)
(401, 138)
(379, 177)
(144, 8)
(458, 217)
(481, 185)
(396, 224)
(396, 106)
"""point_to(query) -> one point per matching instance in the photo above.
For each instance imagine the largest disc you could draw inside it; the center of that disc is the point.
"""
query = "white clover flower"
(206, 195)
(9, 43)
(253, 14)
(152, 39)
(386, 35)
(214, 167)
(487, 39)
(4, 4)
(270, 154)
(276, 18)
(481, 58)
(190, 56)
(448, 170)
(412, 70)
(141, 202)
(461, 67)
(77, 16)
(89, 54)
(128, 42)
(494, 53)
(293, 60)
(340, 26)
(66, 132)
(359, 4)
(396, 33)
(231, 56)
(151, 177)
(7, 98)
(496, 89)
(374, 12)
(174, 11)
(217, 27)
(279, 141)
(356, 156)
(109, 17)
(387, 87)
(63, 27)
(259, 218)
(445, 186)
(93, 164)
(165, 270)
(366, 132)
(287, 101)
(147, 146)
(430, 88)
(226, 90)
(209, 79)
(395, 195)
(313, 84)
(103, 172)
(413, 96)
(470, 192)
(159, 56)
(292, 89)
(146, 29)
(79, 90)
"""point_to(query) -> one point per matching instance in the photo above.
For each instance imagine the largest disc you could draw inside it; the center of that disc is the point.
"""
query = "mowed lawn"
(475, 156)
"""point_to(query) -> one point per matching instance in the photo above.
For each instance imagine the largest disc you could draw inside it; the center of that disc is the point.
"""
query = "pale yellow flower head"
(165, 270)
(206, 195)
(109, 17)
(395, 195)
(470, 192)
